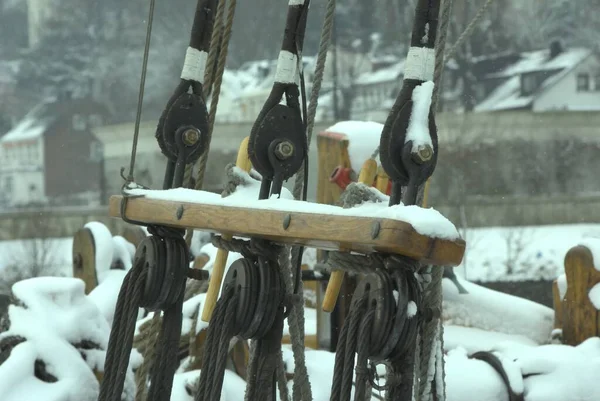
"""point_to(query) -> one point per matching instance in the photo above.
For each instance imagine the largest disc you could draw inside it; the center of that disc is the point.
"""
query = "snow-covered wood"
(420, 233)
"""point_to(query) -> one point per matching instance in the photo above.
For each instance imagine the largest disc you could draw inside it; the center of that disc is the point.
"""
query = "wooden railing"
(575, 313)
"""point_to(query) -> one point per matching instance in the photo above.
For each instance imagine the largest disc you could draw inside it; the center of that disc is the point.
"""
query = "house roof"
(508, 94)
(386, 74)
(33, 125)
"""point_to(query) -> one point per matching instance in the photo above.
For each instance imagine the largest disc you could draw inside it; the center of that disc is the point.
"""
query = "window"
(79, 122)
(597, 83)
(583, 82)
(8, 184)
(528, 84)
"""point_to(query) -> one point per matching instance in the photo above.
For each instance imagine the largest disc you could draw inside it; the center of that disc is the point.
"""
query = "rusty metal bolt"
(424, 154)
(284, 150)
(191, 136)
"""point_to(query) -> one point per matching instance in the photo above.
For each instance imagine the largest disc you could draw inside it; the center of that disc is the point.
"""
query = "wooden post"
(580, 318)
(84, 258)
(243, 162)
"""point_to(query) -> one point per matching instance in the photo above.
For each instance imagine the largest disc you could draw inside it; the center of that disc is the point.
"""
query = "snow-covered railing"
(576, 294)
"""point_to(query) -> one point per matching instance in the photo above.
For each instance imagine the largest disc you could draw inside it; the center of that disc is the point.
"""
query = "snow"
(363, 139)
(104, 247)
(29, 128)
(54, 317)
(494, 311)
(522, 253)
(386, 75)
(594, 296)
(561, 281)
(427, 222)
(539, 60)
(475, 340)
(418, 125)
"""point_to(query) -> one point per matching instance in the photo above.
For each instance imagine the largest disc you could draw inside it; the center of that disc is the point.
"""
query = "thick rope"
(284, 394)
(430, 336)
(316, 88)
(301, 390)
(224, 31)
(220, 39)
(146, 345)
(469, 29)
(440, 46)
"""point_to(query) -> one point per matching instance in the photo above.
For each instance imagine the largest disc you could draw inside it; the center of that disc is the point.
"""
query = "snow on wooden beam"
(335, 229)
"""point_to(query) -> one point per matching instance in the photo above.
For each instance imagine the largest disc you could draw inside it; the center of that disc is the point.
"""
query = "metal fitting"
(284, 150)
(423, 154)
(191, 136)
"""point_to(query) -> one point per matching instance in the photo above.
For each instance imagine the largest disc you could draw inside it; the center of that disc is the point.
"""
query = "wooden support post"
(216, 278)
(366, 176)
(84, 258)
(382, 181)
(580, 318)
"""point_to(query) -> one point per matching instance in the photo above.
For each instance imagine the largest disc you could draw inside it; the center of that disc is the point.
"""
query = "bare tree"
(517, 240)
(36, 257)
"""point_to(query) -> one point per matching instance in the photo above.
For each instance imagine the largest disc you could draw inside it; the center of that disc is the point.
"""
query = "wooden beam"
(330, 232)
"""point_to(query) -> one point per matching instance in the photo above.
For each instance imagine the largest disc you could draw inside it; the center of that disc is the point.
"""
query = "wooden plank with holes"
(580, 317)
(84, 258)
(330, 232)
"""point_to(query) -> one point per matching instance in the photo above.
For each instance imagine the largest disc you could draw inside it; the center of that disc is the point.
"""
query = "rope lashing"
(385, 314)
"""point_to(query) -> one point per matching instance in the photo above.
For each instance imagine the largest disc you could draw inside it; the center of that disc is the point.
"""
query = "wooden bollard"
(134, 235)
(84, 258)
(580, 317)
(366, 176)
(242, 162)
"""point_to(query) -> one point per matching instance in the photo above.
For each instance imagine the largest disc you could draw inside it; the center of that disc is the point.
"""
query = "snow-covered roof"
(540, 60)
(508, 94)
(386, 74)
(32, 126)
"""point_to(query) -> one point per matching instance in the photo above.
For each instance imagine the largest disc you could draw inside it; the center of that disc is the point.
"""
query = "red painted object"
(342, 176)
(388, 192)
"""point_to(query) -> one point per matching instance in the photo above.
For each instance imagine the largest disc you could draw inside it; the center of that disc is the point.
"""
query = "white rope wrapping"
(194, 65)
(420, 64)
(296, 3)
(287, 68)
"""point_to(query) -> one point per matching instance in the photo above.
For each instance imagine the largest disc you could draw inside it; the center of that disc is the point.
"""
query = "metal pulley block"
(166, 263)
(260, 294)
(407, 165)
(395, 297)
(183, 126)
(277, 145)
